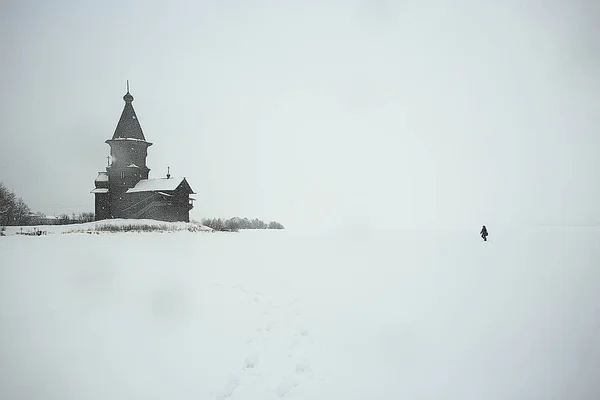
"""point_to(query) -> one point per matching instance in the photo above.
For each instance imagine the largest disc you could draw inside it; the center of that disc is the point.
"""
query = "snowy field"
(260, 315)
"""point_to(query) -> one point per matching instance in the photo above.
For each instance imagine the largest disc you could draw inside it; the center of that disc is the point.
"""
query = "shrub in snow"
(275, 225)
(133, 228)
(116, 226)
(236, 223)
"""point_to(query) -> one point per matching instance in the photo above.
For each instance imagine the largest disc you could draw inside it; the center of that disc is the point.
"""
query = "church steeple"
(128, 149)
(129, 126)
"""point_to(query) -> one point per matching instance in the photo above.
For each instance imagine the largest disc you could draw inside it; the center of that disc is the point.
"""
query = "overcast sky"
(329, 113)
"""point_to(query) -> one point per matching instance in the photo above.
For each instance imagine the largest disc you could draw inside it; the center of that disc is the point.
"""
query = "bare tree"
(13, 210)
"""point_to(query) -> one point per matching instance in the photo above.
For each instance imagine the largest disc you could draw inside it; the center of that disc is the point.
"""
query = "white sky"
(337, 113)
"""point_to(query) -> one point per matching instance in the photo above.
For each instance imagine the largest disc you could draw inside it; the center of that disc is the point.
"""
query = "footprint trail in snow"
(276, 362)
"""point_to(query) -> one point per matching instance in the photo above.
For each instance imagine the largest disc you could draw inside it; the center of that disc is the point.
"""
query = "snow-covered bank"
(111, 225)
(270, 315)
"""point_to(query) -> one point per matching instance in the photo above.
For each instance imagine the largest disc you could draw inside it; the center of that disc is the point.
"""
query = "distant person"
(484, 233)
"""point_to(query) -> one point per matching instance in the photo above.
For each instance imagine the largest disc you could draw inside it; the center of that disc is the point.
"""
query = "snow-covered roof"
(100, 190)
(102, 177)
(156, 184)
(42, 216)
(132, 139)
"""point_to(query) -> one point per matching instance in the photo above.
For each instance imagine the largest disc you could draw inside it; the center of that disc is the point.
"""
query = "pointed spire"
(128, 127)
(168, 172)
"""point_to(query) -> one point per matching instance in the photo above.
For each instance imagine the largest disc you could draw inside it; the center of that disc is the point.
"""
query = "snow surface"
(277, 315)
(151, 185)
(131, 139)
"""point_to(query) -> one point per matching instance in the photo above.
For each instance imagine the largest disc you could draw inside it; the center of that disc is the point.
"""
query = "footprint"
(286, 386)
(229, 388)
(302, 368)
(271, 325)
(251, 362)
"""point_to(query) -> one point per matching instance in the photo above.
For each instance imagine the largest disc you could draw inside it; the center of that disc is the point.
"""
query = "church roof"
(158, 185)
(129, 126)
(102, 177)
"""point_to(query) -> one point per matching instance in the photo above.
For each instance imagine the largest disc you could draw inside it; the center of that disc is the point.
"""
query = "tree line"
(234, 224)
(15, 212)
(65, 219)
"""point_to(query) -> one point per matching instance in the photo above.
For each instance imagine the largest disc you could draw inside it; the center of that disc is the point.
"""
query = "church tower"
(128, 152)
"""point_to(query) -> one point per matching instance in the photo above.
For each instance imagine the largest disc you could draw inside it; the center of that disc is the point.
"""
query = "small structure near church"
(124, 190)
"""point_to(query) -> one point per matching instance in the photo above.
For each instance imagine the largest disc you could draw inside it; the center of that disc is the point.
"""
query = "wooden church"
(124, 190)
